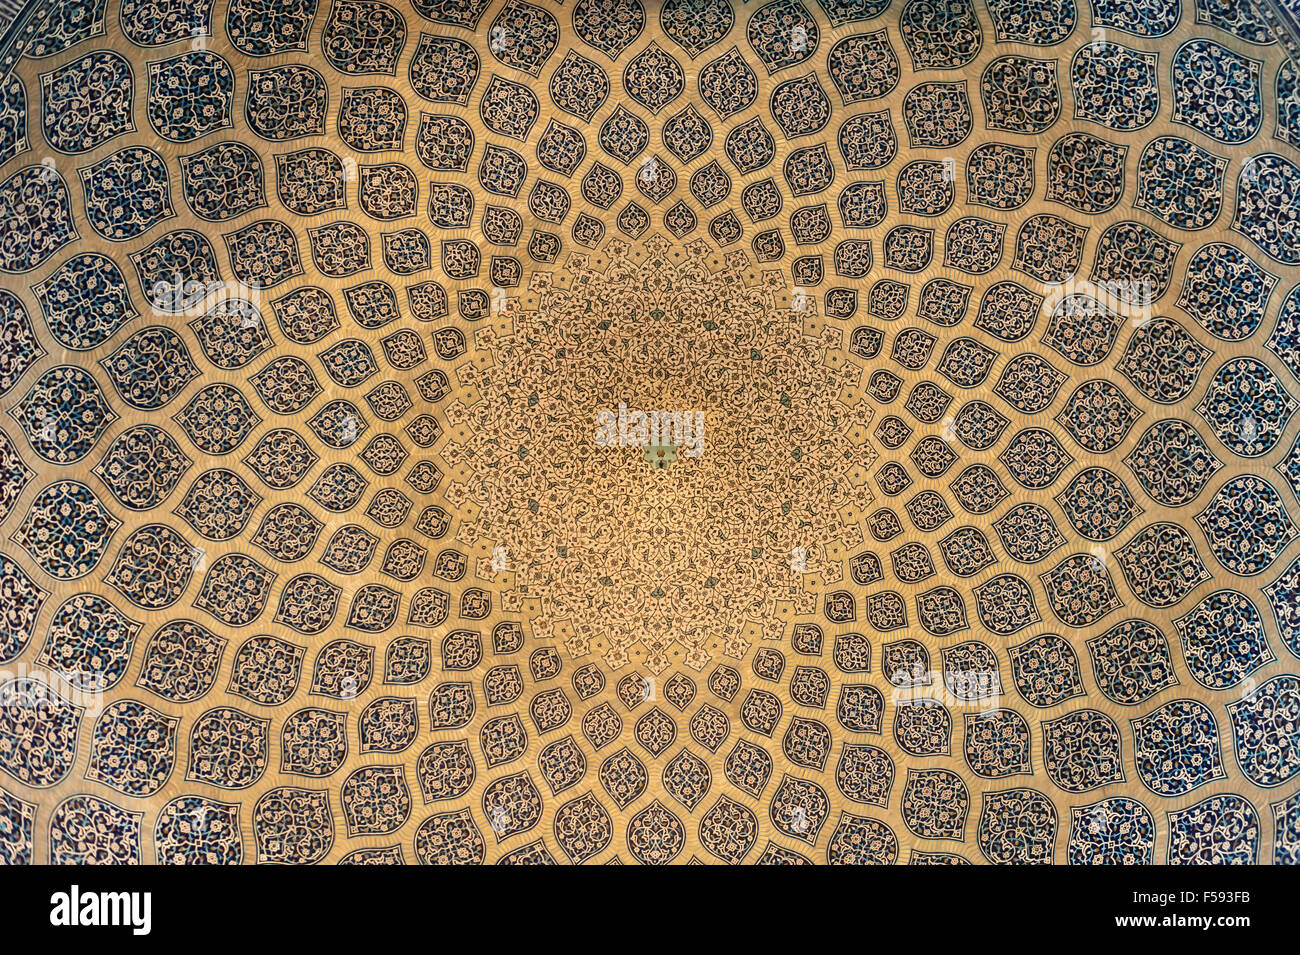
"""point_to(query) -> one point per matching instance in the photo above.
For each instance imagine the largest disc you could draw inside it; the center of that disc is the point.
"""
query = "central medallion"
(694, 555)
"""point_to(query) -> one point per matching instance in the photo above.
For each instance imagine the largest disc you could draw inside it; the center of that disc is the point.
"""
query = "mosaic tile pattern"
(311, 553)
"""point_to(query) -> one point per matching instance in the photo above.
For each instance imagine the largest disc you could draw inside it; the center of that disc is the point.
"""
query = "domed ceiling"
(816, 431)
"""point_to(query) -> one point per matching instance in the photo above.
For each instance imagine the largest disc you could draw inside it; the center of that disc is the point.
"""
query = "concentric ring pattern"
(326, 538)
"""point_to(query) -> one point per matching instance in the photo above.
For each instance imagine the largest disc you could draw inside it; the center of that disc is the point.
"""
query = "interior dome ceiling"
(982, 319)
